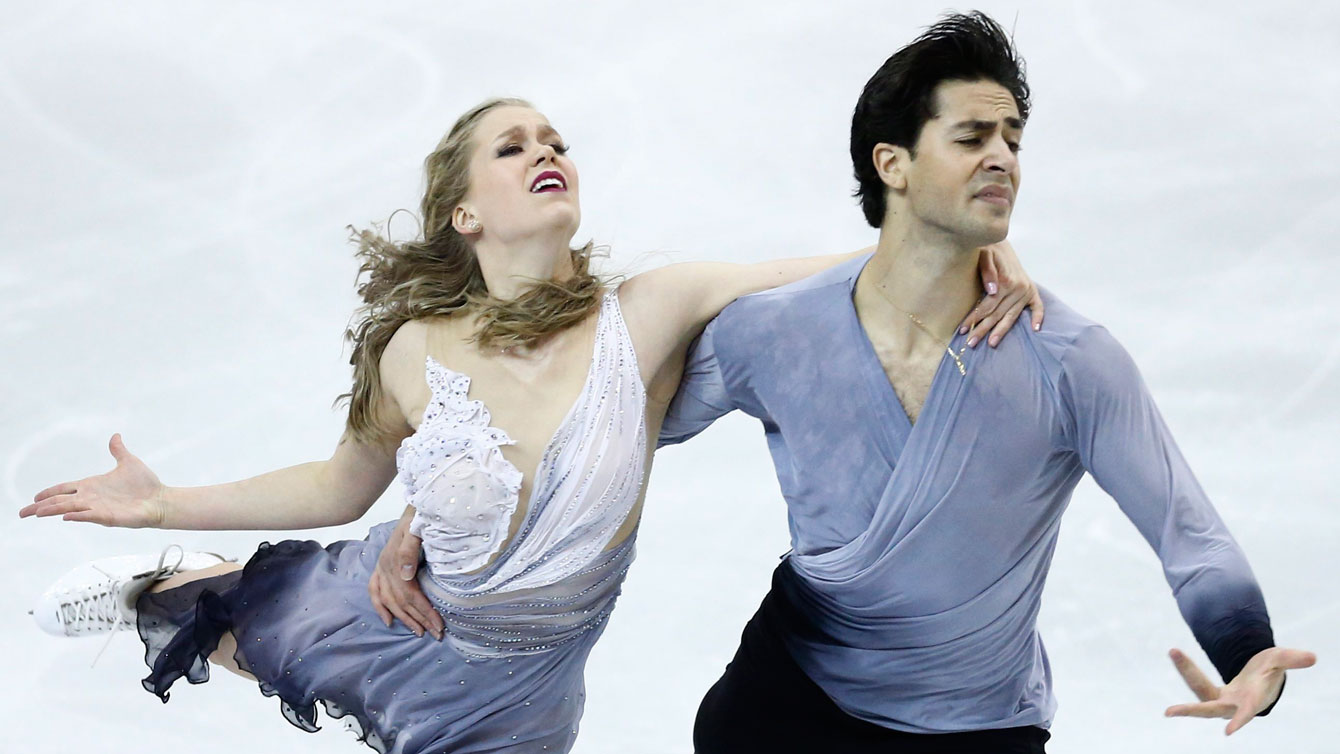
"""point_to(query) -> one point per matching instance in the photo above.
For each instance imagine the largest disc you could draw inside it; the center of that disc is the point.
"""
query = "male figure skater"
(925, 481)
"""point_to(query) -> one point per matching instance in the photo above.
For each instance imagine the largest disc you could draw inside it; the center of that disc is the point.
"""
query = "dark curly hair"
(899, 99)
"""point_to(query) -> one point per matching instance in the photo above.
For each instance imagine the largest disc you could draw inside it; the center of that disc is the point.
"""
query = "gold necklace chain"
(957, 357)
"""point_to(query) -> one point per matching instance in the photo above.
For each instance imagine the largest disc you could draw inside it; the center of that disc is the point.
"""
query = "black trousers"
(764, 702)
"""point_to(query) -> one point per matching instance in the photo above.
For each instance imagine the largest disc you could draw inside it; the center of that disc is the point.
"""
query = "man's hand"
(1256, 687)
(393, 588)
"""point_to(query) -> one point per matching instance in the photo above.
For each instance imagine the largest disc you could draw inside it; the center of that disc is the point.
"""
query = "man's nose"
(1001, 158)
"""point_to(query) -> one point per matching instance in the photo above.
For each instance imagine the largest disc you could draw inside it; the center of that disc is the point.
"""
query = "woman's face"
(521, 182)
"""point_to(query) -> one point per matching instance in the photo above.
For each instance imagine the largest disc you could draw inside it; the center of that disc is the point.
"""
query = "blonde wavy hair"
(438, 274)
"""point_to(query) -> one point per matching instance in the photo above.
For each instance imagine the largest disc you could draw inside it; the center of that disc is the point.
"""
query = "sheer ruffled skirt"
(305, 628)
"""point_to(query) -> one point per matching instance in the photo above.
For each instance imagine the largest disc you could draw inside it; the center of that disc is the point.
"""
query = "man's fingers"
(375, 593)
(1240, 718)
(1204, 709)
(1200, 684)
(1294, 659)
(409, 598)
(407, 556)
(431, 618)
(410, 621)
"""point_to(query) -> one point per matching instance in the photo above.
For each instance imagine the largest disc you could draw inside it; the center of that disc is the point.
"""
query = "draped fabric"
(508, 677)
(921, 550)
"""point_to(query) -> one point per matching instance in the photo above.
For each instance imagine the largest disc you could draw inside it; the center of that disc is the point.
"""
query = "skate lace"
(99, 607)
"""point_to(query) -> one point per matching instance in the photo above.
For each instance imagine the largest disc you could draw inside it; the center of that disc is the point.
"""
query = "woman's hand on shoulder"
(129, 495)
(1008, 291)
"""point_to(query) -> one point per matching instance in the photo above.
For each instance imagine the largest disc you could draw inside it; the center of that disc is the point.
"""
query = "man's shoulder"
(1078, 345)
(1064, 328)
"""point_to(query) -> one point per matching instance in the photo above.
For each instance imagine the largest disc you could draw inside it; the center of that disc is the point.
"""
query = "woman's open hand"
(129, 495)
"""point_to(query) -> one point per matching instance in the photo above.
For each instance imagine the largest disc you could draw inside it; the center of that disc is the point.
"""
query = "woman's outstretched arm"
(305, 496)
(309, 495)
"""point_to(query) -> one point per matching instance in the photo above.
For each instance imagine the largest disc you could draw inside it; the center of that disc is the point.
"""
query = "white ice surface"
(176, 181)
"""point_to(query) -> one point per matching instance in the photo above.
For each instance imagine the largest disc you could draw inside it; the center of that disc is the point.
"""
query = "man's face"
(965, 176)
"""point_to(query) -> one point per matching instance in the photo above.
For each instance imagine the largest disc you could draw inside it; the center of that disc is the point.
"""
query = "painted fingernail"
(962, 329)
(406, 571)
(994, 340)
(991, 289)
(1037, 326)
(972, 342)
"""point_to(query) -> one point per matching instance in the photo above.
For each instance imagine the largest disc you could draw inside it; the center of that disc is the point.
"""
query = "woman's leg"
(225, 655)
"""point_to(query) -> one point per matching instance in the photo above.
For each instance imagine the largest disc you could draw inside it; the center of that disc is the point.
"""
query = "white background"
(176, 181)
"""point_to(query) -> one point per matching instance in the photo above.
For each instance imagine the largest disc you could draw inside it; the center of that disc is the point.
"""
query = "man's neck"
(929, 275)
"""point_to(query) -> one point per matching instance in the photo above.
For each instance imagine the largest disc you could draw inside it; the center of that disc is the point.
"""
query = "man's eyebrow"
(987, 125)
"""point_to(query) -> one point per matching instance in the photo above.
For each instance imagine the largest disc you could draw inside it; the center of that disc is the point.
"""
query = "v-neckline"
(530, 512)
(897, 430)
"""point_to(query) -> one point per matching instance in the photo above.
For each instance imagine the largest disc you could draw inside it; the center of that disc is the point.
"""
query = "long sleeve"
(1124, 443)
(702, 397)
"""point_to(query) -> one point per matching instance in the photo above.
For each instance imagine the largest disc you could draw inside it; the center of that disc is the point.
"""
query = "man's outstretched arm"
(1124, 443)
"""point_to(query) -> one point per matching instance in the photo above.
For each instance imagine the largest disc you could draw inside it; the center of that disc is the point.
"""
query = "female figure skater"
(488, 348)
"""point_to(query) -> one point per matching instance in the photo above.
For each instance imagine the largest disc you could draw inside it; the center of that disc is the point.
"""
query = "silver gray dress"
(521, 615)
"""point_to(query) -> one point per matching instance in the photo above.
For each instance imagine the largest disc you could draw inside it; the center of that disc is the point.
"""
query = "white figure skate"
(100, 596)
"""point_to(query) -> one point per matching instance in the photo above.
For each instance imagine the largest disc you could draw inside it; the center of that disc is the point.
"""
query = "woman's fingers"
(1038, 309)
(118, 448)
(986, 266)
(59, 506)
(88, 517)
(990, 311)
(64, 488)
(1006, 322)
(979, 320)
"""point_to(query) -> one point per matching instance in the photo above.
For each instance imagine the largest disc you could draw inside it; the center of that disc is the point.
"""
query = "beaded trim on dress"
(464, 491)
(555, 579)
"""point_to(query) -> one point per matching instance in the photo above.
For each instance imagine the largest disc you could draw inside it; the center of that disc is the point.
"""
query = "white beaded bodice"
(588, 481)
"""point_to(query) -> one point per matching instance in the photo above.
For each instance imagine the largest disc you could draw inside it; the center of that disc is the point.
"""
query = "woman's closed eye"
(511, 149)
